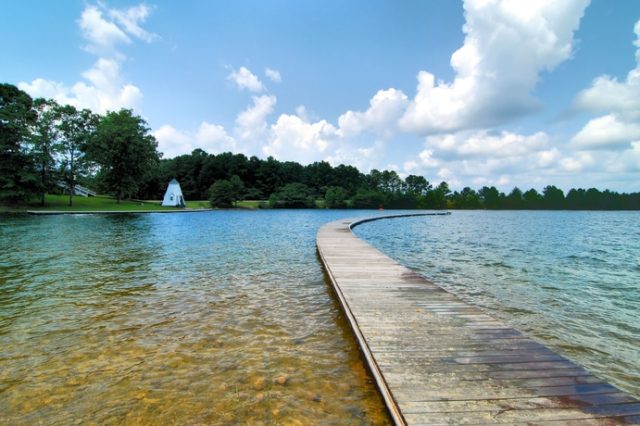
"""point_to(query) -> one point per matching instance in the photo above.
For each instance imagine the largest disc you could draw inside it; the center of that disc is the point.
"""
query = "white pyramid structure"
(173, 197)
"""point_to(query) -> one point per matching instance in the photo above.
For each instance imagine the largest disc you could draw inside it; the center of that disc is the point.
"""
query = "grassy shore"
(99, 203)
(105, 203)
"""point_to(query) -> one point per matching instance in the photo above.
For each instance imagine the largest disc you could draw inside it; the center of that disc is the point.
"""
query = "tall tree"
(76, 128)
(18, 179)
(125, 152)
(417, 185)
(490, 197)
(45, 143)
(552, 197)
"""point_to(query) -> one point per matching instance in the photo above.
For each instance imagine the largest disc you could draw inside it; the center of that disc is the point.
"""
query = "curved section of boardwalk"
(438, 360)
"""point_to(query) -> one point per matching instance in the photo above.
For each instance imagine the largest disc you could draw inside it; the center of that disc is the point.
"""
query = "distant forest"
(290, 184)
(46, 147)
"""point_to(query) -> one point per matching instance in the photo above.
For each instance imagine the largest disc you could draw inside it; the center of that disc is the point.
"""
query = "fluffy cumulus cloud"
(380, 118)
(103, 87)
(172, 142)
(294, 138)
(619, 127)
(484, 144)
(364, 158)
(609, 131)
(212, 138)
(102, 90)
(487, 158)
(252, 122)
(244, 79)
(507, 45)
(273, 75)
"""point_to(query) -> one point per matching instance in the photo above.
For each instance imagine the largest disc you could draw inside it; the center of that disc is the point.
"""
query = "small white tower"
(173, 197)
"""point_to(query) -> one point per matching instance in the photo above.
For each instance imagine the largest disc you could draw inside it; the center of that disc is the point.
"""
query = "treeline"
(45, 147)
(289, 184)
(49, 148)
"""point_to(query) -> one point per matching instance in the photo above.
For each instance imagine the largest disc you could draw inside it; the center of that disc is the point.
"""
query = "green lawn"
(105, 203)
(61, 202)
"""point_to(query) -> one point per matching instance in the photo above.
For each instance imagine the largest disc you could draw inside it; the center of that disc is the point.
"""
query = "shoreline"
(84, 212)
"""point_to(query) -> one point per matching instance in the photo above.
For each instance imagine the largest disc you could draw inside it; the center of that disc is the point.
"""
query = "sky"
(479, 92)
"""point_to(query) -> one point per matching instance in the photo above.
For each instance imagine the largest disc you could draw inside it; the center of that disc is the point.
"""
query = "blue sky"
(477, 92)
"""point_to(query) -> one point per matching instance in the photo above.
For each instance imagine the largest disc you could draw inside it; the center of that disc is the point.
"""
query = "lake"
(570, 280)
(226, 317)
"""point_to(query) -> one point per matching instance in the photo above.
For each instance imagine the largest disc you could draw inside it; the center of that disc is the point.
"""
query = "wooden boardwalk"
(438, 360)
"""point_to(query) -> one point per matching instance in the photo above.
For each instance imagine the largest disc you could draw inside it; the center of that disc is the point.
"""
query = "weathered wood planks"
(438, 360)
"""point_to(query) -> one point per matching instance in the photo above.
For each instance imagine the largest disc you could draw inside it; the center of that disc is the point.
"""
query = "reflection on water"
(215, 318)
(568, 279)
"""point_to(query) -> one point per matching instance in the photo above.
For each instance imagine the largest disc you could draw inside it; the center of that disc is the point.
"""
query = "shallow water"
(196, 318)
(568, 279)
(193, 318)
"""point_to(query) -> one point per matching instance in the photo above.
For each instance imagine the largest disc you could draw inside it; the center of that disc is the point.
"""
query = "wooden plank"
(439, 360)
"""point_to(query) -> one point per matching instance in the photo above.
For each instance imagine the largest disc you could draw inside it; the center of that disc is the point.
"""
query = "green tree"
(466, 199)
(238, 188)
(515, 199)
(18, 180)
(552, 197)
(417, 185)
(532, 199)
(125, 152)
(437, 197)
(490, 197)
(222, 194)
(390, 182)
(45, 144)
(293, 195)
(75, 127)
(335, 197)
(368, 199)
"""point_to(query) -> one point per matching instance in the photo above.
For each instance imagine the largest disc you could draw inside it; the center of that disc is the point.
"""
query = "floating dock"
(439, 361)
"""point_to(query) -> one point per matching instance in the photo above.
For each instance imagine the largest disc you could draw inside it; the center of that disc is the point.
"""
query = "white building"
(173, 197)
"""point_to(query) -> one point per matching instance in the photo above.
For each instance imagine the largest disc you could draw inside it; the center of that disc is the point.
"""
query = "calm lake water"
(194, 318)
(568, 279)
(225, 317)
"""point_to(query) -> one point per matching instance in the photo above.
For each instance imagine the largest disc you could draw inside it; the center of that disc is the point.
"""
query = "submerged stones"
(259, 383)
(281, 380)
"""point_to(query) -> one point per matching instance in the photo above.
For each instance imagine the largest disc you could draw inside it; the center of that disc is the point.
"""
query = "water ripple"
(569, 279)
(209, 318)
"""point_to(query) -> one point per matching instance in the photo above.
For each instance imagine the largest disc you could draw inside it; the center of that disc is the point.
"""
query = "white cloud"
(363, 158)
(507, 45)
(273, 75)
(620, 101)
(488, 158)
(245, 79)
(172, 142)
(130, 19)
(295, 139)
(608, 131)
(103, 87)
(214, 139)
(101, 34)
(251, 123)
(485, 144)
(105, 28)
(576, 163)
(426, 160)
(608, 94)
(385, 108)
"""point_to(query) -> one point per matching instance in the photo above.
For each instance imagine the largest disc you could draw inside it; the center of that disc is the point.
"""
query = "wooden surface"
(438, 360)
